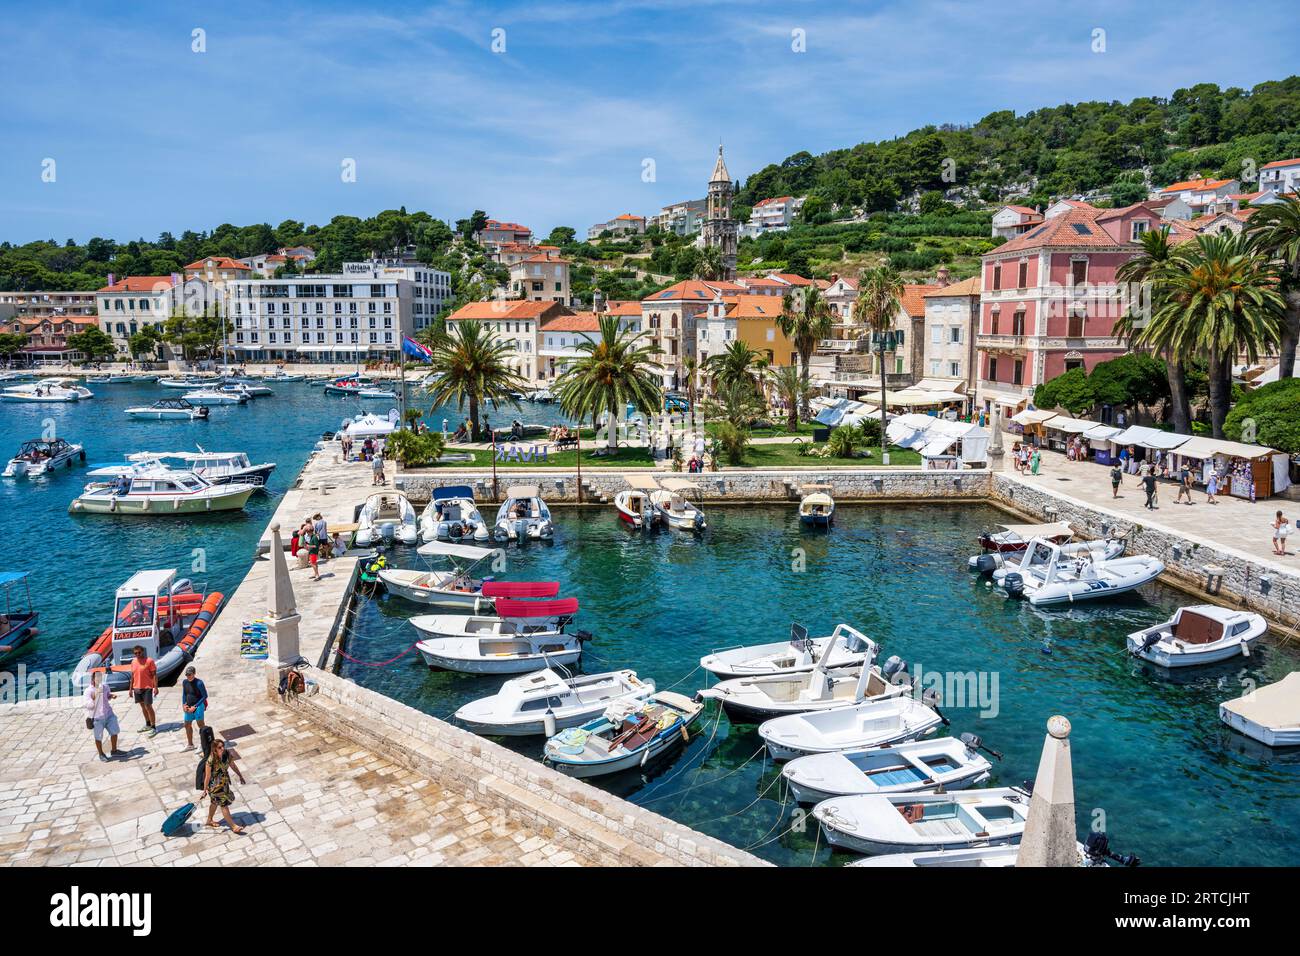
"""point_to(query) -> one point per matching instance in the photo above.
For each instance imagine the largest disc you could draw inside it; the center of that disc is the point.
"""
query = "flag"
(416, 350)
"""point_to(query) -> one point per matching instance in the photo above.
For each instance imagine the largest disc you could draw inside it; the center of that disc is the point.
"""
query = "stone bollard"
(1050, 838)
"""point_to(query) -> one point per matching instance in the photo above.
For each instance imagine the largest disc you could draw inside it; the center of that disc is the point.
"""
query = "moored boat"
(817, 507)
(215, 396)
(908, 767)
(451, 515)
(523, 515)
(385, 516)
(547, 701)
(857, 727)
(633, 504)
(1048, 574)
(47, 390)
(800, 653)
(673, 506)
(153, 610)
(1268, 714)
(624, 737)
(18, 624)
(1014, 538)
(40, 456)
(170, 409)
(456, 586)
(216, 467)
(525, 636)
(154, 491)
(1198, 634)
(909, 822)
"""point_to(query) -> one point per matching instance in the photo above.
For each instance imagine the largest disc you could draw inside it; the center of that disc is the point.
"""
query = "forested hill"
(1099, 148)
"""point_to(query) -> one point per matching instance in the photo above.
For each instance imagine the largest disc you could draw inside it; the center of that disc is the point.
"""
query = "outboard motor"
(521, 529)
(387, 530)
(894, 667)
(1013, 584)
(985, 563)
(1150, 642)
(1098, 849)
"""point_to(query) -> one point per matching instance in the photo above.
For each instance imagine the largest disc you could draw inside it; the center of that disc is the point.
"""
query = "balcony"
(992, 340)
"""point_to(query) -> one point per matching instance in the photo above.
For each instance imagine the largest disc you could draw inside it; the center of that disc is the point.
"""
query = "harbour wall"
(1211, 571)
(717, 487)
(569, 812)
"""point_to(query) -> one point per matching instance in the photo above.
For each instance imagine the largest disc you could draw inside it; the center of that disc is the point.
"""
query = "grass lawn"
(775, 430)
(787, 455)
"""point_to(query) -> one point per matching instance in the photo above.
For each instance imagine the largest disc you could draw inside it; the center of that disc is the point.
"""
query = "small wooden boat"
(907, 767)
(910, 822)
(526, 636)
(455, 585)
(529, 705)
(1198, 634)
(40, 456)
(18, 625)
(625, 737)
(871, 723)
(799, 654)
(1269, 714)
(634, 505)
(1014, 538)
(817, 508)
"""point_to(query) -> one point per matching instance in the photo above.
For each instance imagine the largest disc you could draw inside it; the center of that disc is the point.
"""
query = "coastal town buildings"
(430, 288)
(1280, 177)
(772, 215)
(1012, 221)
(1203, 196)
(518, 323)
(751, 319)
(719, 230)
(624, 225)
(951, 323)
(682, 218)
(265, 265)
(496, 233)
(126, 306)
(47, 335)
(541, 277)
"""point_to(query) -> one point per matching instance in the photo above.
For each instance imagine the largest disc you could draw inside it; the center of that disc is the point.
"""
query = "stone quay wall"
(716, 487)
(1206, 569)
(570, 812)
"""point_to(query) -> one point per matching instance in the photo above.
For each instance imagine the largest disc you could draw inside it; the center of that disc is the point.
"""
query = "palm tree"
(470, 364)
(1218, 298)
(880, 296)
(1275, 232)
(1145, 271)
(805, 320)
(614, 369)
(794, 389)
(737, 363)
(709, 266)
(690, 369)
(735, 403)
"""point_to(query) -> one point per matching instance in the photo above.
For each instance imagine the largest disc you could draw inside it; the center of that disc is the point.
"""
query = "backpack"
(292, 684)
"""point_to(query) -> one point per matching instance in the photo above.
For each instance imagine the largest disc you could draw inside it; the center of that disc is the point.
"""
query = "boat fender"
(645, 755)
(207, 505)
(548, 723)
(1245, 649)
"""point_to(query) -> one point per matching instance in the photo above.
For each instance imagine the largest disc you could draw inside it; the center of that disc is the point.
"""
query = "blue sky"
(148, 135)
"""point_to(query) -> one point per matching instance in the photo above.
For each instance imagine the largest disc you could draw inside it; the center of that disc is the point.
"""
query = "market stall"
(1062, 430)
(1031, 423)
(1244, 471)
(1101, 440)
(942, 444)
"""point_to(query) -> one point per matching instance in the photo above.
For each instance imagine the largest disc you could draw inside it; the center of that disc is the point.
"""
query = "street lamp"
(883, 342)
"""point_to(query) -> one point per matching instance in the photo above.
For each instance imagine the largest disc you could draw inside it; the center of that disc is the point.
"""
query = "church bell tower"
(720, 230)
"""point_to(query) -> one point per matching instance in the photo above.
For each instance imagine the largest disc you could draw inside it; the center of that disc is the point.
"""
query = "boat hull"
(227, 498)
(397, 583)
(516, 664)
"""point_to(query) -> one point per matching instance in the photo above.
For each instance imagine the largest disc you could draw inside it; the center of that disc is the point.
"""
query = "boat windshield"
(135, 612)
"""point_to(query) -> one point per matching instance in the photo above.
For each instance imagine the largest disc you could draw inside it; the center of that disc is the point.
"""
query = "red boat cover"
(521, 589)
(509, 608)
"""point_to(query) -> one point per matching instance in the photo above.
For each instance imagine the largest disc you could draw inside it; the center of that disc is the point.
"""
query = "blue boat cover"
(9, 577)
(453, 491)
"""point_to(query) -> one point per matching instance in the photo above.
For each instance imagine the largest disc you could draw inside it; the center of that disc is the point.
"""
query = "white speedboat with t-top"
(451, 515)
(1064, 573)
(800, 653)
(523, 515)
(169, 409)
(40, 456)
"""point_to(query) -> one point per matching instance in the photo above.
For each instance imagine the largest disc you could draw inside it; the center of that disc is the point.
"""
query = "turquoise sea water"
(1174, 785)
(77, 562)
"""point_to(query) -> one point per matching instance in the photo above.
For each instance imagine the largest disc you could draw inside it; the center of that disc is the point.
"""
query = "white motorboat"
(385, 516)
(153, 610)
(246, 389)
(1198, 634)
(756, 699)
(382, 394)
(217, 467)
(283, 377)
(18, 624)
(675, 508)
(131, 379)
(451, 515)
(170, 409)
(1014, 538)
(909, 822)
(456, 586)
(976, 856)
(40, 456)
(186, 383)
(800, 653)
(157, 492)
(1049, 574)
(523, 515)
(47, 390)
(213, 396)
(547, 702)
(1269, 714)
(817, 507)
(527, 636)
(990, 561)
(872, 723)
(624, 737)
(633, 504)
(909, 767)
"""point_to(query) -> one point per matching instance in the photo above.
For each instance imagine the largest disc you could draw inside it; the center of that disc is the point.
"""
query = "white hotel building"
(358, 315)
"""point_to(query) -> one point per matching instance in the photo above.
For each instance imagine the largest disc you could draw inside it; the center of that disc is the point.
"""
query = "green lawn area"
(787, 455)
(775, 430)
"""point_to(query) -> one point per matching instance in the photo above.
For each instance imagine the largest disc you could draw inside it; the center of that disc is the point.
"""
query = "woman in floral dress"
(216, 783)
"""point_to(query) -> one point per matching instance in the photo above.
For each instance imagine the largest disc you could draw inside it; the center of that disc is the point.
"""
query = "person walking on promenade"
(1184, 484)
(1212, 488)
(1281, 530)
(320, 526)
(1116, 477)
(378, 470)
(194, 701)
(100, 716)
(144, 684)
(1148, 482)
(216, 784)
(1035, 461)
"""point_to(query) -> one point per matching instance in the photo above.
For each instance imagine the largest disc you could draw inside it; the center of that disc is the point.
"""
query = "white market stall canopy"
(1200, 447)
(1032, 416)
(845, 411)
(1152, 438)
(935, 436)
(915, 396)
(1071, 426)
(1102, 433)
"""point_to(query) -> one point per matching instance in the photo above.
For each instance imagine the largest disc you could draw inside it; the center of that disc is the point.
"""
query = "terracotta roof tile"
(913, 299)
(139, 284)
(969, 286)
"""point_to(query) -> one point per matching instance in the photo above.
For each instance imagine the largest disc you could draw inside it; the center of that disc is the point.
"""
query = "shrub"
(414, 450)
(734, 440)
(1273, 412)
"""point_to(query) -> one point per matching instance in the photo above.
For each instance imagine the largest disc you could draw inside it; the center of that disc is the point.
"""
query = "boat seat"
(1193, 628)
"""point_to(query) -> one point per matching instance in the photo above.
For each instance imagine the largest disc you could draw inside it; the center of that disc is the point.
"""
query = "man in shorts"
(144, 684)
(1116, 476)
(194, 701)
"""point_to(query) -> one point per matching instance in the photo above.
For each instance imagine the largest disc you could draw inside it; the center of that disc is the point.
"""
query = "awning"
(521, 589)
(679, 484)
(453, 491)
(942, 385)
(1102, 433)
(522, 491)
(1152, 438)
(507, 607)
(466, 551)
(1200, 447)
(1032, 416)
(1071, 426)
(642, 482)
(9, 577)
